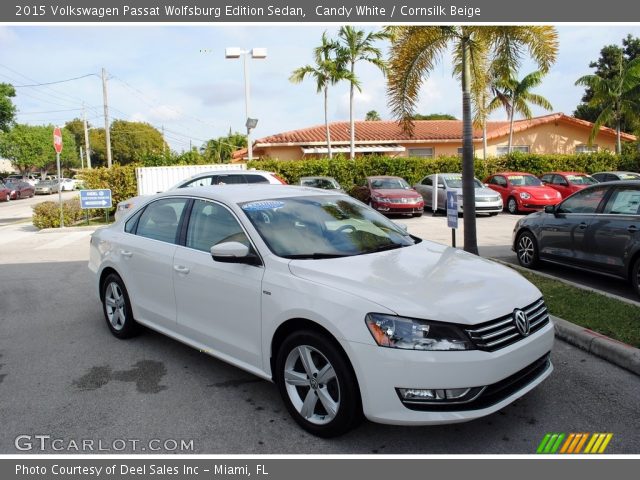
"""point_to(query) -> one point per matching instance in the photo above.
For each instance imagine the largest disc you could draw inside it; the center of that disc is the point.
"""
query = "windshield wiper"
(315, 256)
(382, 248)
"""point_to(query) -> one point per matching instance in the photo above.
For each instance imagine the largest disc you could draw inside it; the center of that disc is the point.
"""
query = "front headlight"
(382, 199)
(412, 334)
(525, 196)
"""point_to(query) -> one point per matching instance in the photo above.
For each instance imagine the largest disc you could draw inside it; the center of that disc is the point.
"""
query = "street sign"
(95, 199)
(57, 139)
(452, 209)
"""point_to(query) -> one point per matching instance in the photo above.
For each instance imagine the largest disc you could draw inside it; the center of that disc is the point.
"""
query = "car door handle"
(126, 253)
(583, 225)
(632, 229)
(181, 269)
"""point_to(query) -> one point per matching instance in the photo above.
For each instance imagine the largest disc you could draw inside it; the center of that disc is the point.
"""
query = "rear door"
(559, 183)
(425, 188)
(499, 184)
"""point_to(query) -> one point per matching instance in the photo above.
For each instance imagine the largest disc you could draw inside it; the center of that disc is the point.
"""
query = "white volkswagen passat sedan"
(345, 311)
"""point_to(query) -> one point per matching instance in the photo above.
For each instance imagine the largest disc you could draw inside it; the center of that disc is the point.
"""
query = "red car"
(20, 189)
(522, 192)
(567, 183)
(5, 193)
(393, 195)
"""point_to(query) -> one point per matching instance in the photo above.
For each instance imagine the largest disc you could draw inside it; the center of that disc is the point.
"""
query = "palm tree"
(515, 97)
(372, 116)
(415, 51)
(617, 97)
(329, 69)
(355, 46)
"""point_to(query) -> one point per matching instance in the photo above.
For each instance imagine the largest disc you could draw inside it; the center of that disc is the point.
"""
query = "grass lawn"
(597, 312)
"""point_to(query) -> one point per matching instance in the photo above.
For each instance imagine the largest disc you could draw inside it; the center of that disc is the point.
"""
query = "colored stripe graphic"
(573, 443)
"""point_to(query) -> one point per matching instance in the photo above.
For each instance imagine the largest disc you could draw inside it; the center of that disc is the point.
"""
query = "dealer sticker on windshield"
(263, 205)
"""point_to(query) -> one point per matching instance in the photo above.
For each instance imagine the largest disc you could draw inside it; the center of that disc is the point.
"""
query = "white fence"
(158, 179)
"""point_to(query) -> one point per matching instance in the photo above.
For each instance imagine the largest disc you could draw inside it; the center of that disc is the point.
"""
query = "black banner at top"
(319, 11)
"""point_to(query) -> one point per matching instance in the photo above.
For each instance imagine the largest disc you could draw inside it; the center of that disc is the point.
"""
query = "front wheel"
(512, 206)
(117, 308)
(527, 250)
(417, 214)
(317, 384)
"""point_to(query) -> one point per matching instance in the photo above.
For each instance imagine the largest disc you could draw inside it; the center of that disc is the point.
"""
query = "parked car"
(68, 184)
(595, 229)
(388, 194)
(615, 176)
(47, 187)
(19, 189)
(567, 183)
(344, 310)
(217, 177)
(326, 183)
(30, 178)
(487, 201)
(522, 192)
(5, 193)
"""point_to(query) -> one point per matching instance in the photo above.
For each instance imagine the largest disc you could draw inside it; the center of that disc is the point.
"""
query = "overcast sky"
(177, 77)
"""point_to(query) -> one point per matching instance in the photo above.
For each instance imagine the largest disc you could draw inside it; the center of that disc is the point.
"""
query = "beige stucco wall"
(5, 165)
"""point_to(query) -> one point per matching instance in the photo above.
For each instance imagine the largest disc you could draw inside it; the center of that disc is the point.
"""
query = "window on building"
(421, 152)
(460, 151)
(515, 148)
(584, 148)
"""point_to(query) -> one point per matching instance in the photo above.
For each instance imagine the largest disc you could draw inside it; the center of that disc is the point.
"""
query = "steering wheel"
(344, 228)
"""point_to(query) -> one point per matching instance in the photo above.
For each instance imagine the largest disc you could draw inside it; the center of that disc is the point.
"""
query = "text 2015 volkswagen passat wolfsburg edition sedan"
(344, 310)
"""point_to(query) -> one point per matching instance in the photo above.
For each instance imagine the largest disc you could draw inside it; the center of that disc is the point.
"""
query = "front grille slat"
(502, 331)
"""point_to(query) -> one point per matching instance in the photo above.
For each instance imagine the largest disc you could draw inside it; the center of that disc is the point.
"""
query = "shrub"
(47, 214)
(120, 179)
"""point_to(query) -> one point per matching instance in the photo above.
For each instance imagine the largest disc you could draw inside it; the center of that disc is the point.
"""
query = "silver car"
(487, 201)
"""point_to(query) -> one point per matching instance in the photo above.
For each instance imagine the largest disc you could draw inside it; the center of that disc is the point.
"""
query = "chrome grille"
(499, 333)
(404, 200)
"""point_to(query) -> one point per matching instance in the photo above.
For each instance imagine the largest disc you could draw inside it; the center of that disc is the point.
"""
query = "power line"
(53, 83)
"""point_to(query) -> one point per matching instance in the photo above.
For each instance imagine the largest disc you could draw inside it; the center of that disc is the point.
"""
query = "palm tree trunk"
(618, 143)
(484, 139)
(468, 174)
(326, 120)
(511, 115)
(352, 150)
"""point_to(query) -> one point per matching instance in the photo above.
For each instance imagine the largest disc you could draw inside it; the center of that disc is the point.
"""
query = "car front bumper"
(508, 373)
(398, 207)
(484, 207)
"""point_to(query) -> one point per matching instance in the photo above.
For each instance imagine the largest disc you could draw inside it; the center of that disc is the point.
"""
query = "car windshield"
(455, 181)
(389, 183)
(328, 226)
(46, 182)
(326, 183)
(581, 179)
(524, 180)
(629, 176)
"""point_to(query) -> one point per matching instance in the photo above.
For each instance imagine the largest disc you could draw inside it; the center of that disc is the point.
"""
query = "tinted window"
(255, 179)
(160, 219)
(201, 182)
(498, 180)
(230, 179)
(585, 201)
(558, 180)
(547, 178)
(524, 180)
(623, 201)
(390, 183)
(427, 181)
(210, 224)
(132, 223)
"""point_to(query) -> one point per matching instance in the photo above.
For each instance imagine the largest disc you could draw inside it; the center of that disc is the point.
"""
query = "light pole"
(257, 53)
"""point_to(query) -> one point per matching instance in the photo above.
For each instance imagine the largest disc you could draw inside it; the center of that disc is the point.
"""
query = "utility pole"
(87, 149)
(81, 158)
(107, 133)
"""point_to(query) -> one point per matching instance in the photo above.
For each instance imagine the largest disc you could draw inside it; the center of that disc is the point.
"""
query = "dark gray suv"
(595, 229)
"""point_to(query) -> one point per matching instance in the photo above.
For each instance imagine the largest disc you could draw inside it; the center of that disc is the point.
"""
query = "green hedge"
(120, 179)
(47, 214)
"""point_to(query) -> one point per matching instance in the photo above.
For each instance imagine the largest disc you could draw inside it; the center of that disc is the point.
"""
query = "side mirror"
(550, 209)
(234, 252)
(440, 186)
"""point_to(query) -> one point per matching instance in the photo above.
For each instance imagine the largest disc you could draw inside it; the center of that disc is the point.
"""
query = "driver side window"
(211, 223)
(585, 201)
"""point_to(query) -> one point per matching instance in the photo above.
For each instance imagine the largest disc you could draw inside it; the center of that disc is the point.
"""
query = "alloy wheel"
(115, 306)
(526, 250)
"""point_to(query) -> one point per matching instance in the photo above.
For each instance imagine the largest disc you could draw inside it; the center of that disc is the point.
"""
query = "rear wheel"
(512, 206)
(527, 250)
(317, 384)
(117, 308)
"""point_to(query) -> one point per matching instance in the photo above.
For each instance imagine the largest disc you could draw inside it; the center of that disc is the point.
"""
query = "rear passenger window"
(202, 182)
(255, 179)
(623, 201)
(211, 223)
(231, 179)
(585, 201)
(160, 219)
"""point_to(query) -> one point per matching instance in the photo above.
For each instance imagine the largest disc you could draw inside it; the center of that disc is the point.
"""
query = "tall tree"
(358, 46)
(414, 53)
(372, 116)
(607, 66)
(515, 95)
(329, 69)
(130, 142)
(220, 150)
(614, 97)
(7, 108)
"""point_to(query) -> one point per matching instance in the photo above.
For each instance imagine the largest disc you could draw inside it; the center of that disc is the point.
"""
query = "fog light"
(431, 395)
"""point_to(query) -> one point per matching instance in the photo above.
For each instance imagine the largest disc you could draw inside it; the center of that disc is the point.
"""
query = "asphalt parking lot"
(62, 374)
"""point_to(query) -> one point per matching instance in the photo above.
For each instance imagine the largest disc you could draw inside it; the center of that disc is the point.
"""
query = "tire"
(332, 404)
(635, 276)
(493, 214)
(116, 307)
(417, 214)
(527, 250)
(512, 206)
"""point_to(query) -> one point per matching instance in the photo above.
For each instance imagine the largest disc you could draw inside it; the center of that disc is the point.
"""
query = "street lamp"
(257, 53)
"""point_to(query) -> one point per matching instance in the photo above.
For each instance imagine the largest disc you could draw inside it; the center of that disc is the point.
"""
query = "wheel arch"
(103, 275)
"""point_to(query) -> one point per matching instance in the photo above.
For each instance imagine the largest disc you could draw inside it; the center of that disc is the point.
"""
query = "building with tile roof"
(554, 133)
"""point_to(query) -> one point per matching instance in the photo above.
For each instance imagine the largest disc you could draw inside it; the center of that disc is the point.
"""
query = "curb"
(613, 351)
(70, 229)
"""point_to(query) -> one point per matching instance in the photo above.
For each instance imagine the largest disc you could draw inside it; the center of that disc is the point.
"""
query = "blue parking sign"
(452, 209)
(95, 198)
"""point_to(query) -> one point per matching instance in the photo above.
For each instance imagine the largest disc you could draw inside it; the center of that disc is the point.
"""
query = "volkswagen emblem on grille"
(404, 200)
(521, 322)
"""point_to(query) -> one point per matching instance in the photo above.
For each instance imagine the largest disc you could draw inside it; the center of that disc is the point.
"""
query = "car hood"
(395, 193)
(480, 192)
(427, 280)
(541, 193)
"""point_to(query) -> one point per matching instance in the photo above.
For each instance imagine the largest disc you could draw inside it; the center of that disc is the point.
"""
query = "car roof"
(383, 176)
(317, 176)
(565, 173)
(618, 172)
(245, 193)
(513, 173)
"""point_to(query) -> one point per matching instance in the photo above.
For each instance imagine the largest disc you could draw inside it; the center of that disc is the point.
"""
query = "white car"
(68, 184)
(217, 177)
(345, 311)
